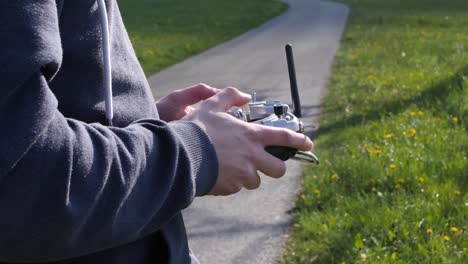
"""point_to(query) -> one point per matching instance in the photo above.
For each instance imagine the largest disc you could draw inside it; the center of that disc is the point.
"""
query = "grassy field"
(164, 32)
(392, 187)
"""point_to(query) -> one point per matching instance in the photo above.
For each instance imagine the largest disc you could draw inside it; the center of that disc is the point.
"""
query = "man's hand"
(240, 146)
(179, 103)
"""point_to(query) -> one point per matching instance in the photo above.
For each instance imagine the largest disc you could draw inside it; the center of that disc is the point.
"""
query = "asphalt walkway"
(252, 226)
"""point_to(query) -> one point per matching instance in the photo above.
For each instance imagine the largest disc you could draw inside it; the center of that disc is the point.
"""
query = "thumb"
(225, 99)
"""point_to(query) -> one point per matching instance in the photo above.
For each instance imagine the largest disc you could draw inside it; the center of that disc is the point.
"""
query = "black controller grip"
(282, 153)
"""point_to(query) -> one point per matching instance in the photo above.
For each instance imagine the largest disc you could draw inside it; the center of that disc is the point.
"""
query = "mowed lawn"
(392, 186)
(164, 32)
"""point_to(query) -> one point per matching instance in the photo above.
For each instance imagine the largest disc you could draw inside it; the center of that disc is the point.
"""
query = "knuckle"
(286, 135)
(231, 90)
(252, 133)
(203, 86)
(175, 96)
(208, 104)
(247, 172)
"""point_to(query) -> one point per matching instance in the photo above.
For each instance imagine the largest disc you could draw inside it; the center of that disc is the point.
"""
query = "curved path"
(252, 226)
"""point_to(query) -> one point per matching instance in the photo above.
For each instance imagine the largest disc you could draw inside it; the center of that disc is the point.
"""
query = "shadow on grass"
(434, 96)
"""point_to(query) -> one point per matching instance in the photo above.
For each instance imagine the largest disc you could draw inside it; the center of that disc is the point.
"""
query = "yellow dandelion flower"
(401, 180)
(316, 192)
(420, 113)
(455, 120)
(397, 186)
(368, 149)
(404, 133)
(413, 132)
(446, 238)
(420, 179)
(378, 151)
(389, 136)
(429, 231)
(389, 174)
(454, 229)
(334, 176)
(392, 166)
(413, 113)
(457, 193)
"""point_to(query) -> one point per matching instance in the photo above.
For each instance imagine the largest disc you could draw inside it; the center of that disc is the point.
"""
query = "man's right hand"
(240, 146)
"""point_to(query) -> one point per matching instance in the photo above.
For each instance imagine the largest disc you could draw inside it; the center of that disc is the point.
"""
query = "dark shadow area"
(436, 95)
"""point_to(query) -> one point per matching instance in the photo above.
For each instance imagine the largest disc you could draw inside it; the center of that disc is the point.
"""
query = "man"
(75, 191)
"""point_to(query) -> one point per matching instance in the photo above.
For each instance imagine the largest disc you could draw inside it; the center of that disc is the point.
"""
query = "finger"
(225, 99)
(273, 136)
(270, 165)
(252, 182)
(194, 94)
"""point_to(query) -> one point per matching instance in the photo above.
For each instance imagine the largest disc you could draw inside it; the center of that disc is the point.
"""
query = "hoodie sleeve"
(68, 188)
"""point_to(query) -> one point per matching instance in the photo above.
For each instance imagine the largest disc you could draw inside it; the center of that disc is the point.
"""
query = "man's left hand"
(179, 103)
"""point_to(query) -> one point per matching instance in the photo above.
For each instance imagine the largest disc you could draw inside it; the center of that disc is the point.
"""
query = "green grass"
(164, 32)
(392, 185)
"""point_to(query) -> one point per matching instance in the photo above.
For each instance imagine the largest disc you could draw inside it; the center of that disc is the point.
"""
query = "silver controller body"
(275, 114)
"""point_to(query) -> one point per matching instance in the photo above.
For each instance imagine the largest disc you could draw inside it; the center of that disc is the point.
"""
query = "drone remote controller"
(278, 114)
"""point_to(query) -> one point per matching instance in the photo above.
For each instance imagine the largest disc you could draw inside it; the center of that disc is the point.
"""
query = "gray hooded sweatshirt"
(71, 189)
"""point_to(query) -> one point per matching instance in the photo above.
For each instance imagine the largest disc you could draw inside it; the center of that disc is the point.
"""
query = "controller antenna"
(292, 79)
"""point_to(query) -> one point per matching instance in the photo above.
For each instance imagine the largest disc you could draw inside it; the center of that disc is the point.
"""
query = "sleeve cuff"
(202, 155)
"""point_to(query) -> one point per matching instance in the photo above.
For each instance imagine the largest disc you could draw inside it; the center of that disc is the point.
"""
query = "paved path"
(251, 227)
